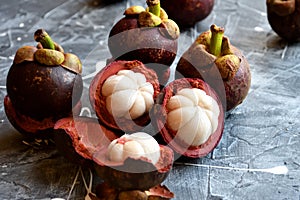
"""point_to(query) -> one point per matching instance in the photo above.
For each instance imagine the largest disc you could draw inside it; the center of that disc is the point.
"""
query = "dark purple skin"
(284, 18)
(127, 41)
(39, 91)
(187, 13)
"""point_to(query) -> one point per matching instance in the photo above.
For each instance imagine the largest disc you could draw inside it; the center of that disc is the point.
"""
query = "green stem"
(154, 7)
(42, 36)
(216, 40)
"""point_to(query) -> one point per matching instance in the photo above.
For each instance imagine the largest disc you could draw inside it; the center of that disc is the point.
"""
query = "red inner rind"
(98, 101)
(87, 135)
(28, 125)
(161, 112)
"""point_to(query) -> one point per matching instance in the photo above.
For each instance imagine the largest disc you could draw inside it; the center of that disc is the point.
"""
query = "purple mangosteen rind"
(43, 85)
(159, 114)
(283, 17)
(186, 13)
(142, 35)
(225, 68)
(98, 101)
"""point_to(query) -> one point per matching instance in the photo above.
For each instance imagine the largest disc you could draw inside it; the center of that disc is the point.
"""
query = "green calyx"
(154, 7)
(219, 46)
(216, 40)
(42, 36)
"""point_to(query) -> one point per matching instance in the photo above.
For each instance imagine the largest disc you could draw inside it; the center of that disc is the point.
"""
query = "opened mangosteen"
(223, 66)
(189, 115)
(43, 85)
(147, 35)
(187, 13)
(284, 18)
(134, 162)
(78, 138)
(122, 94)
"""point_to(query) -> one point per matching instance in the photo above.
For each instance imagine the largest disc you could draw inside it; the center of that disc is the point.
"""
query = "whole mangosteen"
(147, 35)
(223, 66)
(189, 115)
(122, 94)
(43, 85)
(187, 13)
(284, 18)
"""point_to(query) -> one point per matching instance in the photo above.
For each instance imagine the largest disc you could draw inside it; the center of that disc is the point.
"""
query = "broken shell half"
(78, 138)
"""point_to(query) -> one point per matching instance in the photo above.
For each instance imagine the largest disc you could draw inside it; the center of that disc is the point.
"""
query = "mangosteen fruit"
(284, 18)
(223, 66)
(189, 115)
(78, 138)
(147, 35)
(186, 13)
(134, 162)
(43, 85)
(122, 94)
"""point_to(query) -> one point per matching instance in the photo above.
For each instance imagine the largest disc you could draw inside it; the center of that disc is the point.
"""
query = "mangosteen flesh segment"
(193, 115)
(132, 86)
(283, 17)
(137, 145)
(134, 161)
(122, 94)
(189, 116)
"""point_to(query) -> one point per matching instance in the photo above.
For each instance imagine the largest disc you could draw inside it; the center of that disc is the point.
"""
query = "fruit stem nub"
(42, 36)
(154, 7)
(216, 40)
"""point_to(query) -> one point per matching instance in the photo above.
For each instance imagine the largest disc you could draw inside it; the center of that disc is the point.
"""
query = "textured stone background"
(262, 133)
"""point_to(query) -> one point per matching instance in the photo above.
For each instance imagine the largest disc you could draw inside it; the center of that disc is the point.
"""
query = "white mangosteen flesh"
(137, 145)
(193, 115)
(128, 94)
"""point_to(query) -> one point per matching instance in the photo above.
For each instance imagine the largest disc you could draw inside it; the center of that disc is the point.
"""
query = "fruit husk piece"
(159, 118)
(134, 11)
(229, 74)
(186, 13)
(39, 91)
(283, 17)
(78, 138)
(134, 174)
(128, 41)
(32, 128)
(49, 57)
(158, 192)
(98, 101)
